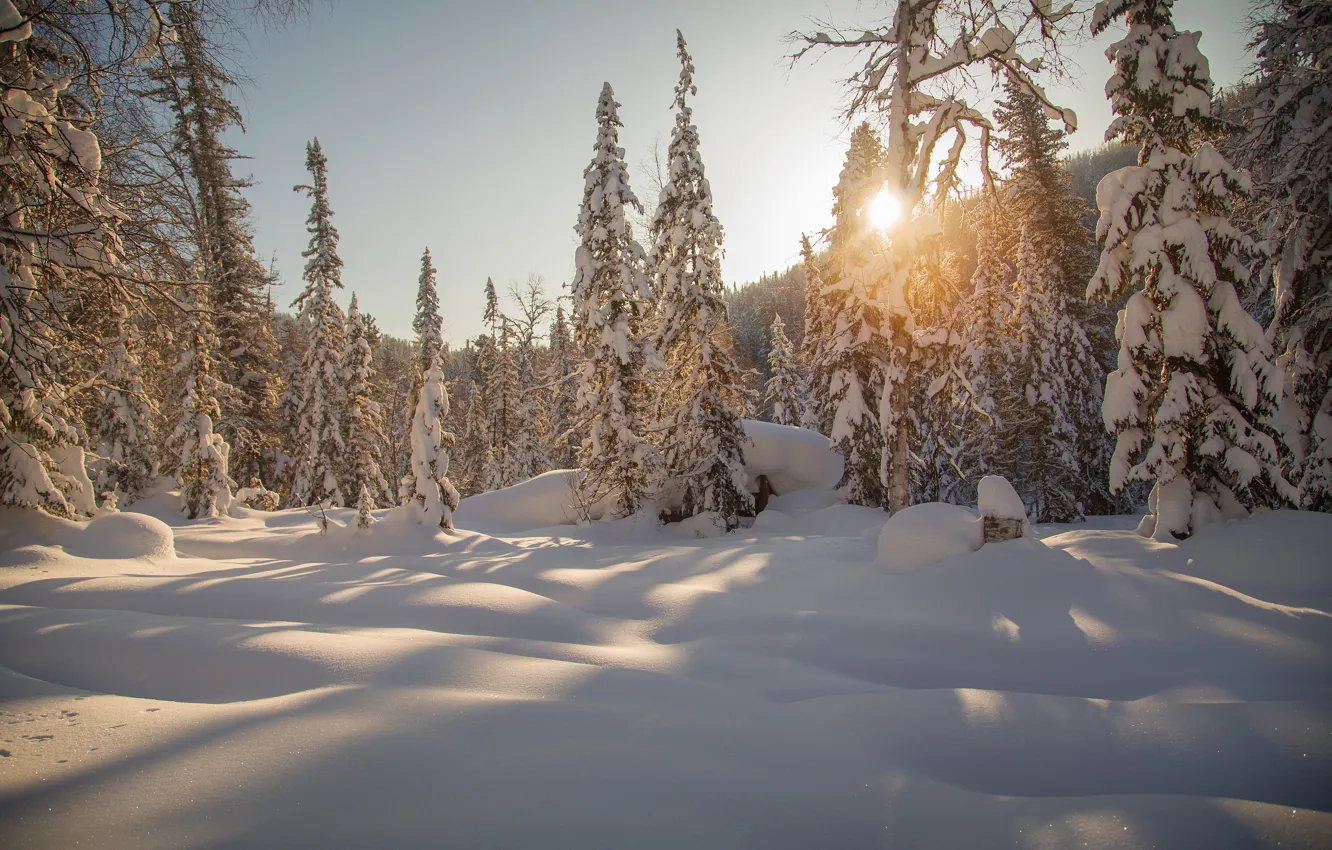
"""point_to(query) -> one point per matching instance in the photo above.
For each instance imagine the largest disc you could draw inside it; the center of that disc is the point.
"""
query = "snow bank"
(926, 534)
(792, 458)
(29, 536)
(541, 502)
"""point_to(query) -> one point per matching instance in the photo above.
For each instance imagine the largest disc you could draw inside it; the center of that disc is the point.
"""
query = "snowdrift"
(792, 458)
(921, 535)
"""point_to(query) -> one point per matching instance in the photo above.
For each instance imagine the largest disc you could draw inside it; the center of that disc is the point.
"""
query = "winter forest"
(1123, 352)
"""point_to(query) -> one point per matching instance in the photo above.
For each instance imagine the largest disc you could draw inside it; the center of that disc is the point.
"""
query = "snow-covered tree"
(57, 245)
(702, 436)
(364, 439)
(561, 382)
(610, 295)
(917, 67)
(124, 419)
(816, 343)
(784, 394)
(319, 444)
(858, 353)
(984, 354)
(194, 85)
(201, 452)
(1287, 149)
(427, 481)
(1196, 382)
(427, 324)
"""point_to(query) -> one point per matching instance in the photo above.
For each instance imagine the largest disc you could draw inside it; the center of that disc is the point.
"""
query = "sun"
(884, 211)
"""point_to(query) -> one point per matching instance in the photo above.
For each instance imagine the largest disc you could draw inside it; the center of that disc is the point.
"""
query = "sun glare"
(884, 211)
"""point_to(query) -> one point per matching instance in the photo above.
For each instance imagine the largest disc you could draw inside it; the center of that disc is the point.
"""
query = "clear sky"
(465, 127)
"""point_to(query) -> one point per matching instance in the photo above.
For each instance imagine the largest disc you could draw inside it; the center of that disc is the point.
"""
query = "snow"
(996, 498)
(620, 684)
(792, 458)
(547, 500)
(926, 534)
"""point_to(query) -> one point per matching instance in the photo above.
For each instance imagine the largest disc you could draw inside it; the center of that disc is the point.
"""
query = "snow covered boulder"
(792, 458)
(124, 535)
(926, 534)
(1002, 509)
(547, 500)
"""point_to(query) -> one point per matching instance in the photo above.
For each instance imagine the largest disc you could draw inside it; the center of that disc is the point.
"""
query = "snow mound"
(804, 501)
(840, 521)
(772, 519)
(792, 458)
(996, 498)
(541, 502)
(124, 535)
(926, 534)
(29, 537)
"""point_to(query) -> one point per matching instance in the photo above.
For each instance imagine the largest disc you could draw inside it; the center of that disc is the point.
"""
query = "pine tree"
(364, 505)
(320, 430)
(784, 394)
(702, 434)
(124, 419)
(1195, 382)
(858, 355)
(1287, 149)
(364, 438)
(202, 453)
(427, 482)
(195, 85)
(610, 295)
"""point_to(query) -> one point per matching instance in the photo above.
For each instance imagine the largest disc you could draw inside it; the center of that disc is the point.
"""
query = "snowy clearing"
(623, 684)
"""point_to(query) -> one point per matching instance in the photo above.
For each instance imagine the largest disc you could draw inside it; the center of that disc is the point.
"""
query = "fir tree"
(610, 295)
(702, 435)
(784, 394)
(1287, 149)
(320, 429)
(1195, 382)
(124, 420)
(427, 482)
(364, 438)
(202, 453)
(364, 505)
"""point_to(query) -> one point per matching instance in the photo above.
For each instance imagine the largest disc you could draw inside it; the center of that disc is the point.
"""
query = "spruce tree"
(858, 354)
(1286, 147)
(124, 419)
(364, 438)
(194, 85)
(816, 343)
(703, 437)
(610, 297)
(319, 444)
(427, 324)
(561, 380)
(1196, 382)
(427, 482)
(202, 454)
(784, 395)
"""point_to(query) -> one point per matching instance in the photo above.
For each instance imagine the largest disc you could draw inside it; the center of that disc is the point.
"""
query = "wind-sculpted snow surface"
(620, 684)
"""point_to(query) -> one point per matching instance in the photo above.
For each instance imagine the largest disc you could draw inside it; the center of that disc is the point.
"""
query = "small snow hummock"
(926, 534)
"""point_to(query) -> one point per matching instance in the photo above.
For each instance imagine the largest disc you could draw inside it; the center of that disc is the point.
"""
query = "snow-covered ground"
(626, 685)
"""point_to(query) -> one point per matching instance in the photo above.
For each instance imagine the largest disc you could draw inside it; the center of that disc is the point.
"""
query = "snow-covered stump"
(1003, 514)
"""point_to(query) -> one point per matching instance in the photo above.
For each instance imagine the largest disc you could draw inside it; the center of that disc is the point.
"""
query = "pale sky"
(465, 127)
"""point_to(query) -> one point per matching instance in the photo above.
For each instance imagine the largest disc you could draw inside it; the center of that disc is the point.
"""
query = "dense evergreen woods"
(997, 330)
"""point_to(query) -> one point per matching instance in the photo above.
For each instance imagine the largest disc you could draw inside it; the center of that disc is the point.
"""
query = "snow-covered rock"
(541, 502)
(926, 534)
(792, 458)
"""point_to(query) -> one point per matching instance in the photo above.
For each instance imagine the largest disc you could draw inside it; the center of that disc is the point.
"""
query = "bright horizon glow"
(885, 210)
